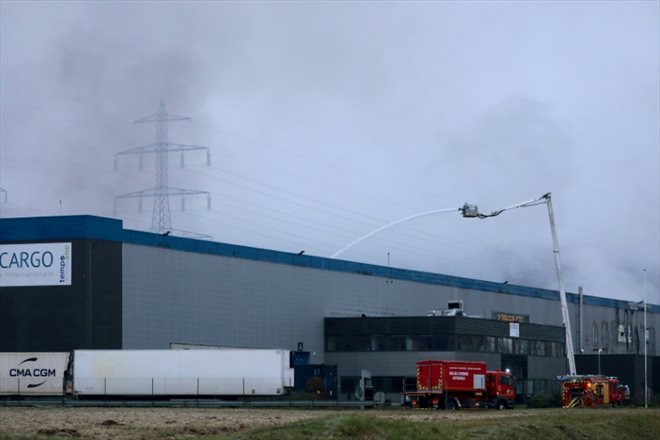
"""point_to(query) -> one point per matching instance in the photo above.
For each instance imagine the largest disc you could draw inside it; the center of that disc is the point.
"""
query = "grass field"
(211, 424)
(577, 424)
(544, 424)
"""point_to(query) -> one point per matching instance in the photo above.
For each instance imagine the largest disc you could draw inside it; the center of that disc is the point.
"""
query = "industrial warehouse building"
(84, 282)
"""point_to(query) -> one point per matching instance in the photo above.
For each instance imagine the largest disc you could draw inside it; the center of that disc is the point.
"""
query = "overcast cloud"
(327, 120)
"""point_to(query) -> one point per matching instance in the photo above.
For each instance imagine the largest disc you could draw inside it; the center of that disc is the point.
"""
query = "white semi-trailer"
(224, 372)
(33, 374)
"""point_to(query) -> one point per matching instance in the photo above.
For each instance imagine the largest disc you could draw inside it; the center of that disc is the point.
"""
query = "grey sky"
(327, 120)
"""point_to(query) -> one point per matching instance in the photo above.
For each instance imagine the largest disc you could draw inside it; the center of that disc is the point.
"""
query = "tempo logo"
(64, 261)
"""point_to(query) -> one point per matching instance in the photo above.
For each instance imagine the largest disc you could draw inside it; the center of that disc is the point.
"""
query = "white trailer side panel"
(182, 372)
(33, 374)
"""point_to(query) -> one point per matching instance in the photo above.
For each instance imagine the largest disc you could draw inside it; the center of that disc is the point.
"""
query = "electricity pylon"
(161, 221)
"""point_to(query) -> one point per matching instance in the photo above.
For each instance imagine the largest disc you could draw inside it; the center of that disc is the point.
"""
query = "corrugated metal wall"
(181, 297)
(173, 296)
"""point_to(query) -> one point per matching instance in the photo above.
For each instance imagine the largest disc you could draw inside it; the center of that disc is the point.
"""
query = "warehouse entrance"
(516, 364)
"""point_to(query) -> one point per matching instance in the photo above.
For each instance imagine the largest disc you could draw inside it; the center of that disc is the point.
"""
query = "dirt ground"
(149, 423)
(146, 423)
(137, 423)
(142, 423)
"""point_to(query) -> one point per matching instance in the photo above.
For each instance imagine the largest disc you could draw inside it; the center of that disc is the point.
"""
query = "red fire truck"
(592, 391)
(460, 384)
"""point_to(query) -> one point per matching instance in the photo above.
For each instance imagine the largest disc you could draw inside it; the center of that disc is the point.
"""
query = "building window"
(435, 335)
(468, 343)
(521, 346)
(555, 349)
(443, 342)
(490, 344)
(348, 343)
(388, 343)
(418, 343)
(440, 342)
(538, 348)
(388, 384)
(505, 345)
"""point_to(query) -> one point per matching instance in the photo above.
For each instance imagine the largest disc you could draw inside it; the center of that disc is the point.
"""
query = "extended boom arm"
(547, 199)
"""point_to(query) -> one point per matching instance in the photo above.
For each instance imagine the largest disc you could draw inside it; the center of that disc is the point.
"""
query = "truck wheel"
(451, 405)
(501, 405)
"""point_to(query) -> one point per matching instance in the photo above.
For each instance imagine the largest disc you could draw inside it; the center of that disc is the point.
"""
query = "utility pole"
(161, 220)
(581, 295)
(599, 350)
(646, 372)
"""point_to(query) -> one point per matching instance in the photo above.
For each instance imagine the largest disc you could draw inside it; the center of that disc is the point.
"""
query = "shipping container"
(226, 372)
(33, 374)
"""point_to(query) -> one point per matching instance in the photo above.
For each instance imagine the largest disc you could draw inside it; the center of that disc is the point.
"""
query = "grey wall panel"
(180, 297)
(545, 367)
(601, 326)
(173, 296)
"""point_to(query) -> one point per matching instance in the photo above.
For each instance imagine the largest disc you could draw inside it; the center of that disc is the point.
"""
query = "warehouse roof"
(101, 228)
